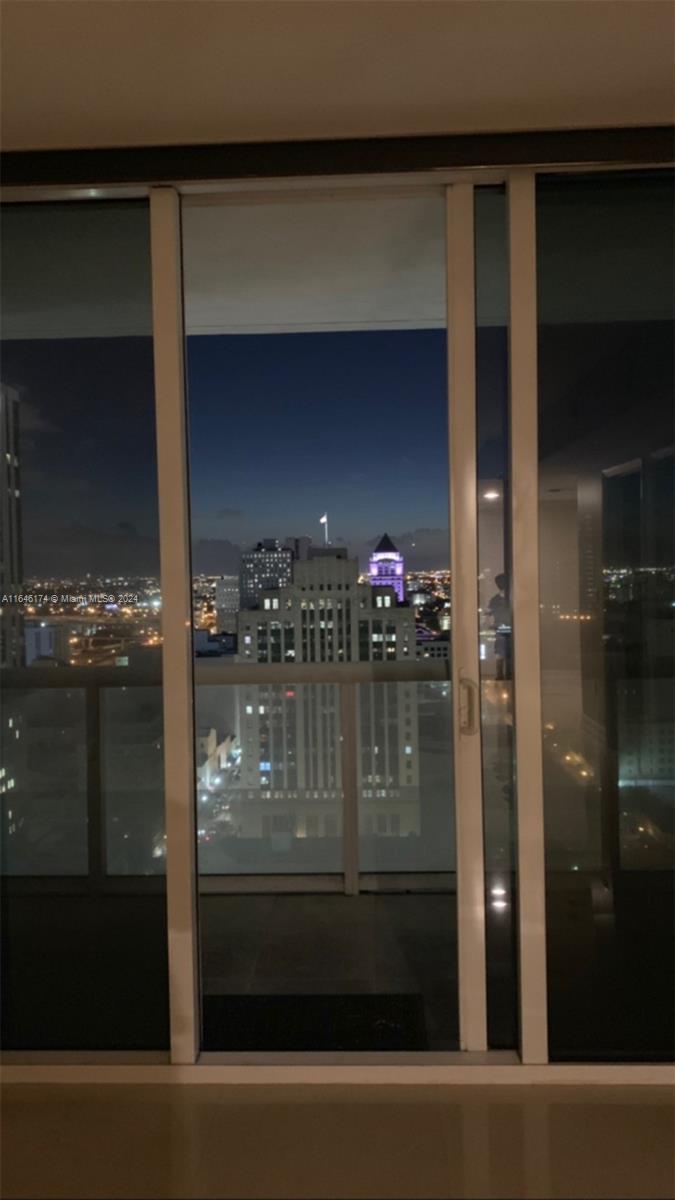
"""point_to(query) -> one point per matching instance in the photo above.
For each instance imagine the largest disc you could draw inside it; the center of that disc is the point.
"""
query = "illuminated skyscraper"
(227, 603)
(291, 779)
(387, 568)
(323, 614)
(266, 566)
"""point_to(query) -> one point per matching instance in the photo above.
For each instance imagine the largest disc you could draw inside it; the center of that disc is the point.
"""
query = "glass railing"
(81, 779)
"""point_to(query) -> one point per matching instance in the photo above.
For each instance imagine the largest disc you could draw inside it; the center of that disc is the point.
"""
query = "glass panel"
(606, 298)
(44, 781)
(405, 778)
(81, 786)
(316, 358)
(269, 779)
(132, 779)
(494, 571)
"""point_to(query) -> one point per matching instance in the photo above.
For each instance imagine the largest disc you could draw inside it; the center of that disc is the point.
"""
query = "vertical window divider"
(523, 403)
(177, 689)
(461, 317)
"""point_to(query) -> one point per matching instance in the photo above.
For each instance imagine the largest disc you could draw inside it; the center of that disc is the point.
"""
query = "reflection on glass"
(43, 782)
(495, 618)
(80, 776)
(269, 788)
(406, 816)
(316, 354)
(607, 505)
(77, 461)
(645, 721)
(132, 780)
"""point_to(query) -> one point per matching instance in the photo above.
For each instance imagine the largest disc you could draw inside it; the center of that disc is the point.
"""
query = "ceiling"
(86, 73)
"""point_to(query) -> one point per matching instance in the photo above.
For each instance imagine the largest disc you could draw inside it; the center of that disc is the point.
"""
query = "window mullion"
(174, 536)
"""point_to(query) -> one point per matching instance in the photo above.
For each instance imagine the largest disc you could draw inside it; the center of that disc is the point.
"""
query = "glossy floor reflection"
(336, 1143)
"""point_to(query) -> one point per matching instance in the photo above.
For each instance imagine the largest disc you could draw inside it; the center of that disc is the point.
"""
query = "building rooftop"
(385, 546)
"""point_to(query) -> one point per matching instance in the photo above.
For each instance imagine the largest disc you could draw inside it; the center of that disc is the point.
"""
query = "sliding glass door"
(385, 765)
(323, 620)
(83, 848)
(607, 511)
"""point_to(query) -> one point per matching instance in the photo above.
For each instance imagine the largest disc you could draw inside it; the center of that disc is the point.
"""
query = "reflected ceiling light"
(491, 495)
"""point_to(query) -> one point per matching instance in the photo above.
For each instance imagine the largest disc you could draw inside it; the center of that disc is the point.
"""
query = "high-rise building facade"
(387, 568)
(227, 603)
(326, 615)
(268, 565)
(290, 782)
(299, 547)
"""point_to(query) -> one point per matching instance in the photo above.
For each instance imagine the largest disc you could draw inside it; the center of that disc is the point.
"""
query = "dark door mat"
(350, 1022)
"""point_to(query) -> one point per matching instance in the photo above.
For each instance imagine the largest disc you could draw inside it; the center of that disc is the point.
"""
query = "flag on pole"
(324, 519)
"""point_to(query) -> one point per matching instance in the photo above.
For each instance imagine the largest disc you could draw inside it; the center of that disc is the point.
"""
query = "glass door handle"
(469, 706)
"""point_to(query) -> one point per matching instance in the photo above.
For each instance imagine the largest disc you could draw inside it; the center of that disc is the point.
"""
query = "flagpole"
(325, 531)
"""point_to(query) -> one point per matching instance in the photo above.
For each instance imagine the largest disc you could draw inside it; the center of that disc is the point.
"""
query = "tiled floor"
(336, 1143)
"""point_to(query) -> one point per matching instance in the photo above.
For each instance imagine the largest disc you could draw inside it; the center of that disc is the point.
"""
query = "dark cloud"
(75, 550)
(31, 420)
(215, 556)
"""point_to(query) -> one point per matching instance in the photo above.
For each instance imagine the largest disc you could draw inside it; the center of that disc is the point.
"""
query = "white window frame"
(473, 1063)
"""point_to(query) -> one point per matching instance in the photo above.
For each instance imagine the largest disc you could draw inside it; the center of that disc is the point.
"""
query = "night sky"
(286, 426)
(87, 454)
(282, 428)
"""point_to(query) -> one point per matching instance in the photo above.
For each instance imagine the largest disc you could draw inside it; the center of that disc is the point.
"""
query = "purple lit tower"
(386, 567)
